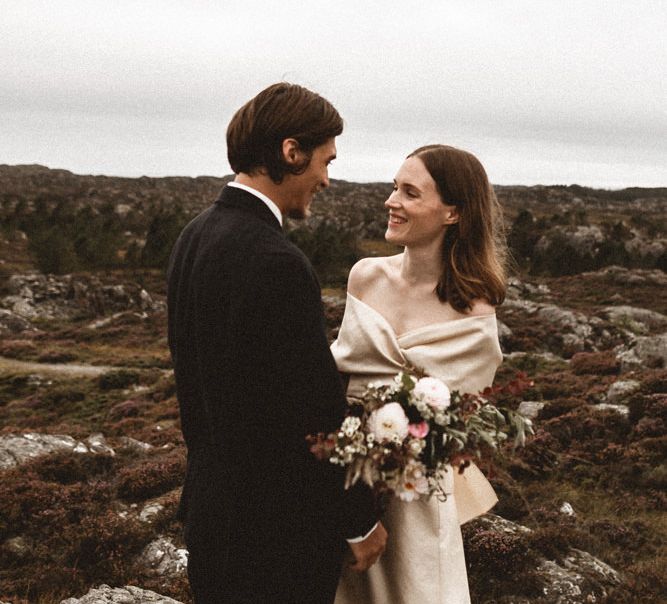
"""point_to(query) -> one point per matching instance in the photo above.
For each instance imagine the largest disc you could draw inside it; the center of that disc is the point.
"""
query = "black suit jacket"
(254, 376)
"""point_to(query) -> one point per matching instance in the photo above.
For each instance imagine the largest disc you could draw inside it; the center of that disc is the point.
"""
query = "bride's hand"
(367, 552)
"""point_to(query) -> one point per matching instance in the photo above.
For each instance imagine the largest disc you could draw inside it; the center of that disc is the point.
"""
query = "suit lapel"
(232, 197)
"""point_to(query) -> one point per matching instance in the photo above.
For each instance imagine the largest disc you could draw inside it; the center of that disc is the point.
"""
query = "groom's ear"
(292, 153)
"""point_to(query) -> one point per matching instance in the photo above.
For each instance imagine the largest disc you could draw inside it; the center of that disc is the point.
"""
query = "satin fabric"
(424, 561)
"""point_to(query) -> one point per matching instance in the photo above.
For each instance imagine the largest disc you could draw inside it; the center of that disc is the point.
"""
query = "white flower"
(414, 482)
(350, 426)
(433, 392)
(417, 446)
(388, 422)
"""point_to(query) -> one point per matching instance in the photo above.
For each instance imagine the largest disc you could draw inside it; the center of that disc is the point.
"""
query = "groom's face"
(302, 187)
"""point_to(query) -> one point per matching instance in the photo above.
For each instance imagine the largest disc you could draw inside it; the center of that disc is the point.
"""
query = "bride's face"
(417, 215)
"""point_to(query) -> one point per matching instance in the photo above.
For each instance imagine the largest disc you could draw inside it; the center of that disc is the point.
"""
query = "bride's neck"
(421, 265)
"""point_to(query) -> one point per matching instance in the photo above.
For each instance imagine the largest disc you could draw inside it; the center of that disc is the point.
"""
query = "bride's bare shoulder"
(481, 307)
(365, 273)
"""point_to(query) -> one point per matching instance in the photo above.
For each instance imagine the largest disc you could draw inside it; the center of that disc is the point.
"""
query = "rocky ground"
(92, 459)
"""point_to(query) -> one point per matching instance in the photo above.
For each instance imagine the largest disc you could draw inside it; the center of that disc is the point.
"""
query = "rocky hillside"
(61, 222)
(92, 458)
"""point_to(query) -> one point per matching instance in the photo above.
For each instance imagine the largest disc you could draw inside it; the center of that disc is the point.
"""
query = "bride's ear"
(451, 215)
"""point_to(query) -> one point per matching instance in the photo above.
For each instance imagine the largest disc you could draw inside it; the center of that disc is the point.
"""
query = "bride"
(431, 306)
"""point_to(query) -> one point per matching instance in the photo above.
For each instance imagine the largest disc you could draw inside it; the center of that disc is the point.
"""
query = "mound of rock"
(121, 595)
(578, 577)
(12, 324)
(639, 321)
(584, 240)
(16, 449)
(644, 352)
(37, 296)
(565, 332)
(620, 275)
(163, 559)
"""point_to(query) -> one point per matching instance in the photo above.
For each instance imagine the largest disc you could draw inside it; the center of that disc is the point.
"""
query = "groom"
(265, 522)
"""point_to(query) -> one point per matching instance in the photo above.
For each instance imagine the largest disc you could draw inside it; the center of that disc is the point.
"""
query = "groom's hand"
(367, 552)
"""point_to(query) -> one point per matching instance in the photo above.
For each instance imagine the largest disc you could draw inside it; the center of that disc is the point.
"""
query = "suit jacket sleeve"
(295, 375)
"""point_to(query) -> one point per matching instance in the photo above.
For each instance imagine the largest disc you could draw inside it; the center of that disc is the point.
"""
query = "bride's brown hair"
(474, 251)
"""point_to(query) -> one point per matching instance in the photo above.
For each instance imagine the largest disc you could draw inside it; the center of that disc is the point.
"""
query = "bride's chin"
(390, 237)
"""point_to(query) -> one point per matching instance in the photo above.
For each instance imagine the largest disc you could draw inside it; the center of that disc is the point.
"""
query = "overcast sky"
(542, 91)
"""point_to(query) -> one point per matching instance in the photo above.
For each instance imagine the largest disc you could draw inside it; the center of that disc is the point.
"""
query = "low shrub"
(560, 406)
(18, 349)
(116, 380)
(128, 408)
(56, 356)
(152, 477)
(58, 395)
(596, 363)
(588, 429)
(498, 553)
(67, 468)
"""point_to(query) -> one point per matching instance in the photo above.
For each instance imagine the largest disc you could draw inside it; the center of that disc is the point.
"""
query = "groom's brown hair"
(258, 129)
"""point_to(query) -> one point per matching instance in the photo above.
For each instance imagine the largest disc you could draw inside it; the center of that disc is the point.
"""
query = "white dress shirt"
(269, 203)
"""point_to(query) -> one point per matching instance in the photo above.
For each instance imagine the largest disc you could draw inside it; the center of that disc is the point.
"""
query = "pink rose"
(419, 430)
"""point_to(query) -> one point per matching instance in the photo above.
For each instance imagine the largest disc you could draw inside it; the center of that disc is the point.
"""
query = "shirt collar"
(270, 204)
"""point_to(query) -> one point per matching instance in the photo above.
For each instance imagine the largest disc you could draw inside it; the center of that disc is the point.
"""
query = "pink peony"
(433, 392)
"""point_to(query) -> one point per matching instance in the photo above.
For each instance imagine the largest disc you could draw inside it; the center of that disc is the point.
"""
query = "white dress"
(424, 561)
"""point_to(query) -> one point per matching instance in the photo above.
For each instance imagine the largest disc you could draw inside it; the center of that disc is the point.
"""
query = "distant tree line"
(64, 237)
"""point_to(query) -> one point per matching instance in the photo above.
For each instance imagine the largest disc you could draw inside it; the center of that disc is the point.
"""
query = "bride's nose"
(392, 202)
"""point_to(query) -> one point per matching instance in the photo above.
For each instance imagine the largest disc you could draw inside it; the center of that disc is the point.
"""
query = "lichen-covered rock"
(500, 525)
(620, 409)
(574, 327)
(645, 351)
(121, 595)
(19, 448)
(639, 321)
(96, 443)
(620, 275)
(162, 558)
(578, 578)
(16, 449)
(621, 390)
(504, 332)
(12, 323)
(561, 331)
(37, 296)
(150, 512)
(132, 444)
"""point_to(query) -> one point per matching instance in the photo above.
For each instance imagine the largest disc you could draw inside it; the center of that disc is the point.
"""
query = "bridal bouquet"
(400, 438)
